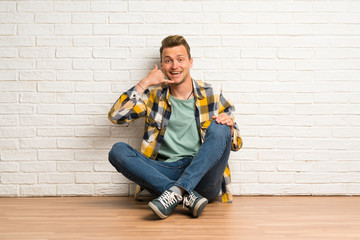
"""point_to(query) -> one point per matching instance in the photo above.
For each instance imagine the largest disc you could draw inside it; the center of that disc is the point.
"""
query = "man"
(188, 135)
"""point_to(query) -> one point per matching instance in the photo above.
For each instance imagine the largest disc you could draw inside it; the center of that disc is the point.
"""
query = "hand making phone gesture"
(154, 77)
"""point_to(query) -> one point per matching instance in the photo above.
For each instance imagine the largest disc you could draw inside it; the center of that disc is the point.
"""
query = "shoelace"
(189, 200)
(169, 198)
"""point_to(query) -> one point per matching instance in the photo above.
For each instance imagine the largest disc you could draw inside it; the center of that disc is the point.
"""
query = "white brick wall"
(291, 67)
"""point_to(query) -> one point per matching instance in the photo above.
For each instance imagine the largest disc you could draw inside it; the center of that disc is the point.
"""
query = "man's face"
(176, 64)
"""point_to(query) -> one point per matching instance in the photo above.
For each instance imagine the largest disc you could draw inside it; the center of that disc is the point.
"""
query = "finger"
(221, 121)
(227, 118)
(169, 81)
(222, 118)
(224, 122)
(227, 121)
(161, 73)
(155, 67)
(230, 124)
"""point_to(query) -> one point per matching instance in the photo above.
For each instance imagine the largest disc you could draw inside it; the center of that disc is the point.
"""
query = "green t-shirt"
(182, 137)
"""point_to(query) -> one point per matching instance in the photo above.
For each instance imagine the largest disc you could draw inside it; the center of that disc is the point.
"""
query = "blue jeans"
(202, 173)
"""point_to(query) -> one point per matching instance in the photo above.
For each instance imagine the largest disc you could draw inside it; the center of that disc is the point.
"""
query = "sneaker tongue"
(190, 200)
(169, 198)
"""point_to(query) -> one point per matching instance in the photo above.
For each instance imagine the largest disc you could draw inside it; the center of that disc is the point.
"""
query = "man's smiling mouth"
(175, 73)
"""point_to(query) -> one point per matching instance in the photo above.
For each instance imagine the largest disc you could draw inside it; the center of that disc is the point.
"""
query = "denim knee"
(219, 131)
(116, 152)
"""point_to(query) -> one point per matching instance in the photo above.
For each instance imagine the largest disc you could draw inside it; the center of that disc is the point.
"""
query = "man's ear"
(191, 62)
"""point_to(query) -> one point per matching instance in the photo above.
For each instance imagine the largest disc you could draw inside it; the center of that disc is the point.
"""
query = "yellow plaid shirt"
(154, 106)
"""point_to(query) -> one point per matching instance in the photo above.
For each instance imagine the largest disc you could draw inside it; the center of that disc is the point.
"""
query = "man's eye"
(180, 60)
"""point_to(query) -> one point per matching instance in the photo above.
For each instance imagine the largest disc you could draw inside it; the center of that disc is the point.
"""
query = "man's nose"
(175, 64)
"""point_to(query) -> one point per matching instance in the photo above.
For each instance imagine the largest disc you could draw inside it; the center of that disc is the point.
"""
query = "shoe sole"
(156, 211)
(199, 207)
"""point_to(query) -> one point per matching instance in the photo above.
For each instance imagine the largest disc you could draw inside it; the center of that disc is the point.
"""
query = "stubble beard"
(182, 80)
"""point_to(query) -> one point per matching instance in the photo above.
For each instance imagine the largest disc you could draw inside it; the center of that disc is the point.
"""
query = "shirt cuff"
(134, 94)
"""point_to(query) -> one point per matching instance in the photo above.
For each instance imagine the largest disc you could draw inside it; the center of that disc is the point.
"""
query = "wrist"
(144, 83)
(141, 86)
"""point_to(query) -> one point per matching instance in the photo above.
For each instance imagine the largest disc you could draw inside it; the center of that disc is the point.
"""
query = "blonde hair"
(173, 41)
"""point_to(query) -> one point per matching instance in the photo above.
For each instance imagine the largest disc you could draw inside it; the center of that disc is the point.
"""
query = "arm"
(155, 77)
(132, 104)
(226, 117)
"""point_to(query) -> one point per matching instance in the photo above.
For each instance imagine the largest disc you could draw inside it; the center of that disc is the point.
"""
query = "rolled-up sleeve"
(128, 107)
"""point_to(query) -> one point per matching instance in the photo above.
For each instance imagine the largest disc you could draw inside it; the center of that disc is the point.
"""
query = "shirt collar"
(199, 92)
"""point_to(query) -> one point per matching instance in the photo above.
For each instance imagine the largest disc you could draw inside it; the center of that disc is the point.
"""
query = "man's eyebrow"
(180, 55)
